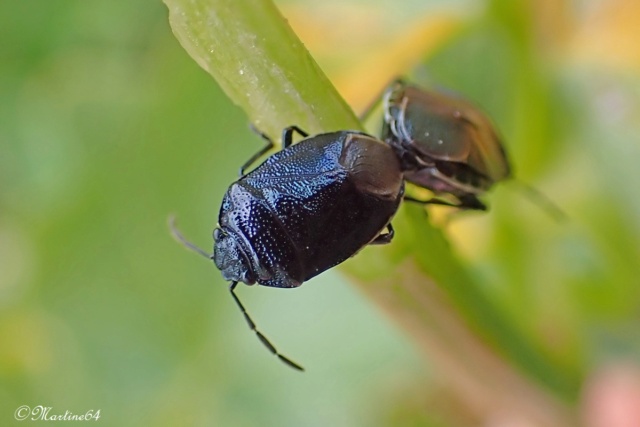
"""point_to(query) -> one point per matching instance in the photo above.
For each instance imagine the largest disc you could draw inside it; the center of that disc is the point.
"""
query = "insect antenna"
(261, 337)
(181, 239)
(542, 201)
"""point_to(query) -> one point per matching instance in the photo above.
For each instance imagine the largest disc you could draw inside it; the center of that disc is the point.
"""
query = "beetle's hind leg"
(469, 202)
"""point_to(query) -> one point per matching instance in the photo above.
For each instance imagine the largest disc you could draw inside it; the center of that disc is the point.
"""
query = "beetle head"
(230, 258)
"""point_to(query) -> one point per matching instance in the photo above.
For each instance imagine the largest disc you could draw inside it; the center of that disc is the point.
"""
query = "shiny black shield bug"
(445, 144)
(307, 208)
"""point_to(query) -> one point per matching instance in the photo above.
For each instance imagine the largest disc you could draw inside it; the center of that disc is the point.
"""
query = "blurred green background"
(107, 126)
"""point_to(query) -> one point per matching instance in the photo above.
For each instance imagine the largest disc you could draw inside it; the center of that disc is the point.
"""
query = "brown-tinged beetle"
(445, 143)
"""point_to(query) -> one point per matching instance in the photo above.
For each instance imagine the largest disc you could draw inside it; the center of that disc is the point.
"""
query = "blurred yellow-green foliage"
(107, 126)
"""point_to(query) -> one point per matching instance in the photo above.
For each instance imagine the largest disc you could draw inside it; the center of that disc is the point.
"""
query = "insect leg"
(383, 239)
(466, 202)
(264, 150)
(287, 135)
(261, 337)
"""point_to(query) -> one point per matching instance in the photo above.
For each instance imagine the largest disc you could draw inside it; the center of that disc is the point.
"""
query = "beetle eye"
(217, 233)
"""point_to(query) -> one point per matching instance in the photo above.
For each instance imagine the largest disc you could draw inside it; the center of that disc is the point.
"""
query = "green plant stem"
(259, 62)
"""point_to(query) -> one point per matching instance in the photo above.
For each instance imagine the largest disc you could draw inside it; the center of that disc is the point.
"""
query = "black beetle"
(307, 208)
(445, 144)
